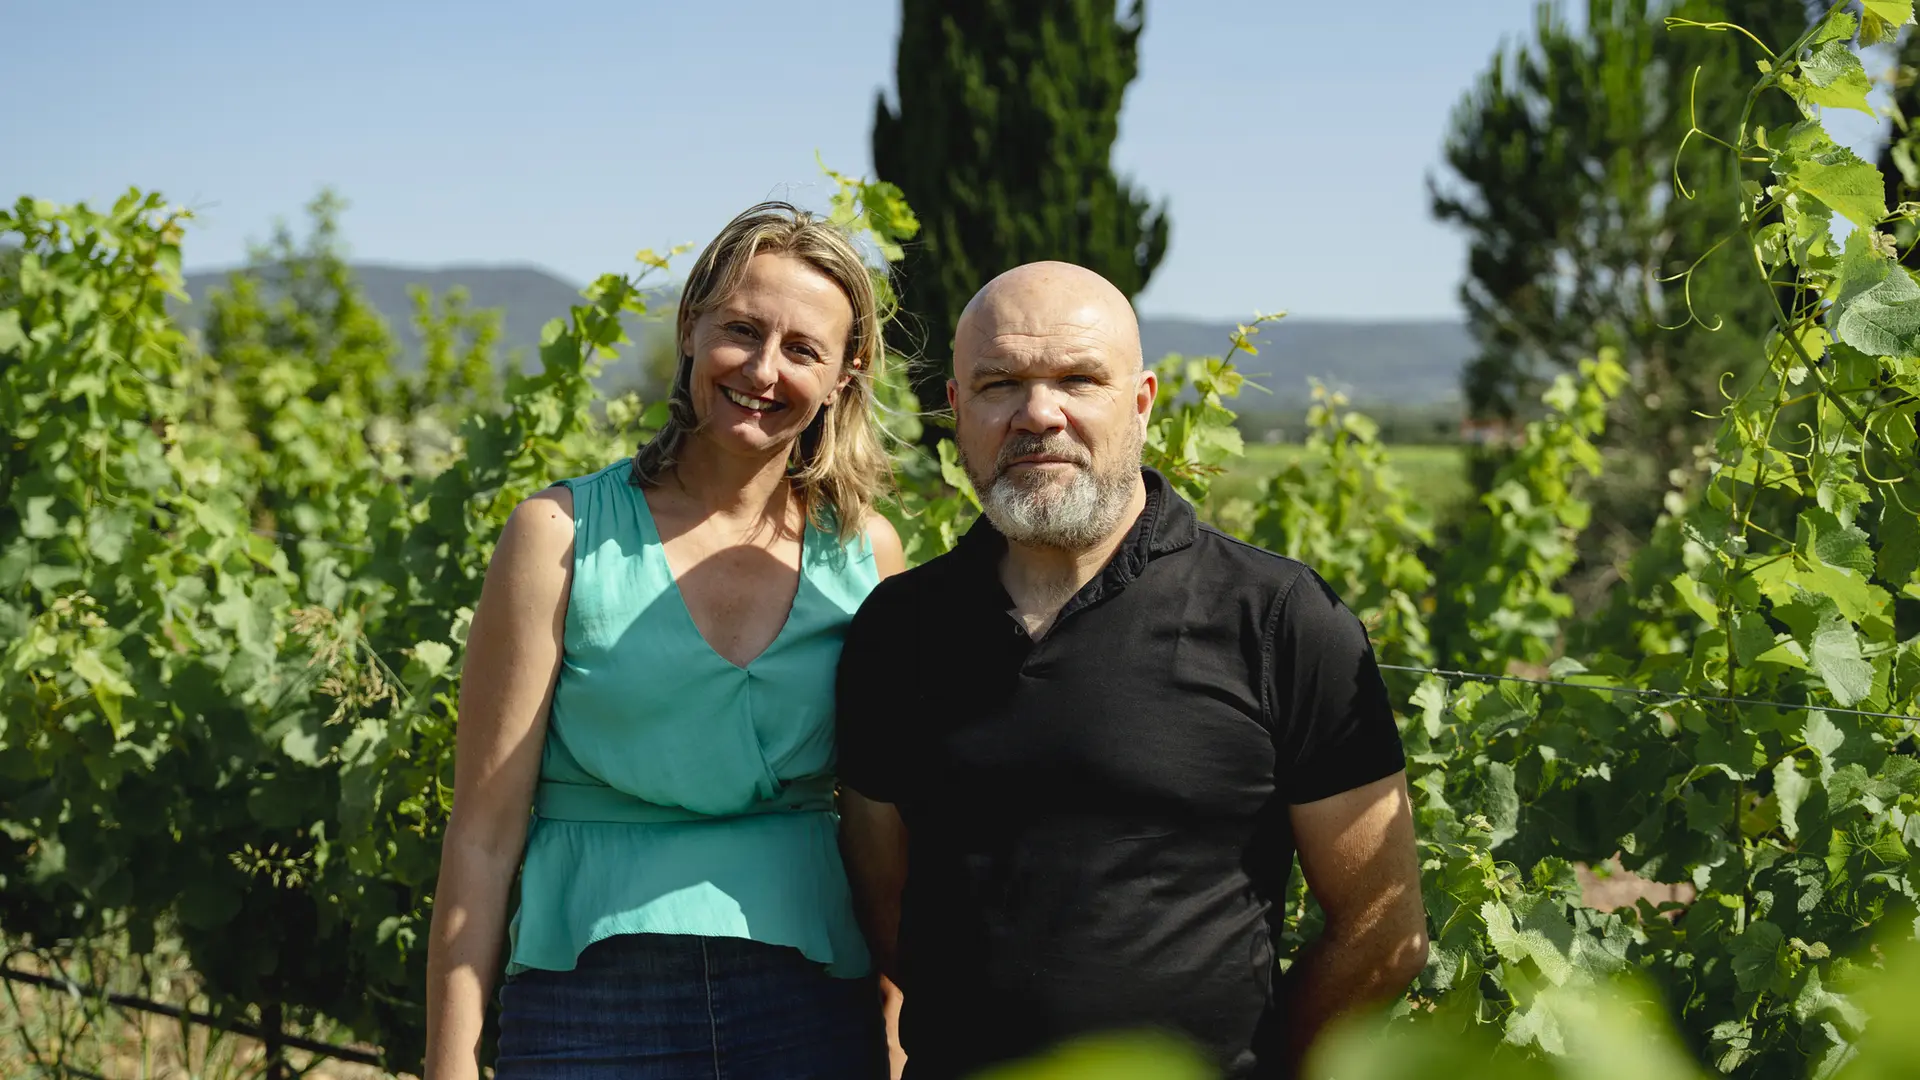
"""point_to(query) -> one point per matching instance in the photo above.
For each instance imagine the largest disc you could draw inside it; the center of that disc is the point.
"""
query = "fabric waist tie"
(558, 800)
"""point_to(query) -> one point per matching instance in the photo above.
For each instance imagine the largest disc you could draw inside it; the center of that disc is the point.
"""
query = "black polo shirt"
(1097, 822)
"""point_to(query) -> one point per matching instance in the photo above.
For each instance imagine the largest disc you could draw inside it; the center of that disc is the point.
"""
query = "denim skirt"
(670, 1007)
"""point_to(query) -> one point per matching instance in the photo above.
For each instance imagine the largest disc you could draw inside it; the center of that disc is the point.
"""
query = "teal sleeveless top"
(680, 793)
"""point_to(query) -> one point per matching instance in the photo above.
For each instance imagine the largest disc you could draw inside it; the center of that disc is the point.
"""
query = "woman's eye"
(806, 351)
(740, 328)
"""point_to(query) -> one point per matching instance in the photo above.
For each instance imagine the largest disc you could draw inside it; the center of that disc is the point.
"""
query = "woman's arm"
(512, 659)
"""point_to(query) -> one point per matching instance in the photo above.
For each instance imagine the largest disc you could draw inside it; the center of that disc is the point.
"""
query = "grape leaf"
(1814, 999)
(1837, 177)
(1834, 654)
(1838, 27)
(1536, 1024)
(1832, 76)
(38, 523)
(1899, 544)
(1758, 960)
(430, 661)
(108, 533)
(1790, 787)
(302, 744)
(1876, 308)
(1822, 536)
(1692, 593)
(89, 665)
(1809, 223)
(1818, 588)
(1753, 637)
(1824, 737)
(1502, 801)
(1543, 937)
(1880, 20)
(1431, 699)
(1735, 1038)
(1897, 12)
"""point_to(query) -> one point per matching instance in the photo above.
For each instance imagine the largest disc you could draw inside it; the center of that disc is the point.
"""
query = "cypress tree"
(1002, 143)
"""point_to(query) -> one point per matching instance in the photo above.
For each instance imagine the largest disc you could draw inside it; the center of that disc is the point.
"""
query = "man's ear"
(1145, 392)
(953, 394)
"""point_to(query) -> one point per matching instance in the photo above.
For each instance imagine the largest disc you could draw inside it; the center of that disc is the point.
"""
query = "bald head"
(1042, 305)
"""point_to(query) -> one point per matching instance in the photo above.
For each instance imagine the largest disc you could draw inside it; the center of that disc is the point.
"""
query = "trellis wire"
(1667, 696)
(273, 1039)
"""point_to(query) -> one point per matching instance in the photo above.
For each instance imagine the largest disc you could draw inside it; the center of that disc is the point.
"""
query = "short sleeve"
(1332, 723)
(867, 730)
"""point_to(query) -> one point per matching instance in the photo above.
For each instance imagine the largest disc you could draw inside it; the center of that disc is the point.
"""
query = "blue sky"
(1293, 139)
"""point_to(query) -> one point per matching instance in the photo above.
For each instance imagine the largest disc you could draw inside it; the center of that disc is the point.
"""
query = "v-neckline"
(673, 583)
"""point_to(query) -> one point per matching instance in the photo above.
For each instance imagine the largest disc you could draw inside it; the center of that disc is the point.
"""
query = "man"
(1081, 750)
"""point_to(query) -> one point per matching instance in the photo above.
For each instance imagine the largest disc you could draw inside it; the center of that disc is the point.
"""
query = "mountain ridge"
(1400, 361)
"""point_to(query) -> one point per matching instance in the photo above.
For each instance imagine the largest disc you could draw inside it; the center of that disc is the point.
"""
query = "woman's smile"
(758, 406)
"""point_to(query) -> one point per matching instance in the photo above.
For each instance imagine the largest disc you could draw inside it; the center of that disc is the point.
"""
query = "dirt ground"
(1609, 886)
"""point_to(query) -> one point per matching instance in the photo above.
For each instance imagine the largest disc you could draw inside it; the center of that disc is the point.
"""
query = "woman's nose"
(763, 362)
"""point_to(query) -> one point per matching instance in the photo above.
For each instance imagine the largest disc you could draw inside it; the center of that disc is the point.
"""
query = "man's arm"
(873, 837)
(1358, 855)
(873, 843)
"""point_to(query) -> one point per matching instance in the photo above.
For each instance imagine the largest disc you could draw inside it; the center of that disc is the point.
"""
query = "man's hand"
(1357, 853)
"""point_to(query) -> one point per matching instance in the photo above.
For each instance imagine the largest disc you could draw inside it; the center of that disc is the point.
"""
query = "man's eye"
(997, 384)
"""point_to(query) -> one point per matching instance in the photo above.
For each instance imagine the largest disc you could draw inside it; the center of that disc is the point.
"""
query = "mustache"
(1023, 443)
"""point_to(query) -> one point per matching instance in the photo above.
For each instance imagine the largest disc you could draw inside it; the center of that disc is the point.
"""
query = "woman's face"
(770, 357)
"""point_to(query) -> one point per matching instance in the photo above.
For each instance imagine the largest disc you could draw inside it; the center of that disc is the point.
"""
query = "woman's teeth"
(751, 404)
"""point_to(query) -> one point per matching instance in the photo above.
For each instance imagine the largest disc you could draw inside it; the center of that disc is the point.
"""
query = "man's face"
(1051, 407)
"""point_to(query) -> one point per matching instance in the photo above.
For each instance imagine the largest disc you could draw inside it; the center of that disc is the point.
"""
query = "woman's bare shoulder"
(548, 504)
(541, 526)
(889, 556)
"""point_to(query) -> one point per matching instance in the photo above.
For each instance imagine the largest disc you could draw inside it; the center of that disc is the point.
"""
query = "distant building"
(1489, 432)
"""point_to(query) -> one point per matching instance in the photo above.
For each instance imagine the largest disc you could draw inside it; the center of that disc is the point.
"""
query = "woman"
(650, 672)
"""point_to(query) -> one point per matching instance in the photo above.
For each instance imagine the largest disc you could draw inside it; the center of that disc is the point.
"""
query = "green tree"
(457, 345)
(297, 298)
(1563, 163)
(1001, 142)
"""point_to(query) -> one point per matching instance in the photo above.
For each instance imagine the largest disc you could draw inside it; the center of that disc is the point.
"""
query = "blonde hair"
(838, 466)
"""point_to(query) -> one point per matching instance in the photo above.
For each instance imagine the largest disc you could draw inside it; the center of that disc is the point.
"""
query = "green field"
(1435, 474)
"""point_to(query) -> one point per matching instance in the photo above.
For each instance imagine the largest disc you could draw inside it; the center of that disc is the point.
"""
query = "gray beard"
(1037, 510)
